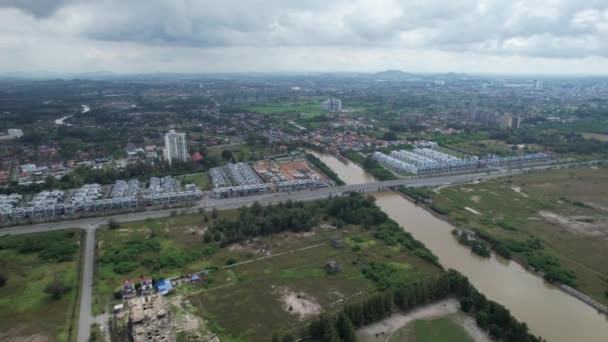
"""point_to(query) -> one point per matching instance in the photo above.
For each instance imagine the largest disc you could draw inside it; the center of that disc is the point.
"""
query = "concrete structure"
(15, 133)
(150, 319)
(91, 198)
(12, 133)
(332, 267)
(128, 290)
(146, 286)
(425, 161)
(539, 84)
(509, 121)
(175, 147)
(332, 105)
(234, 180)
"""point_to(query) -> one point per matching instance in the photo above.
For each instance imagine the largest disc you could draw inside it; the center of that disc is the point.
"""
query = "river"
(61, 121)
(549, 312)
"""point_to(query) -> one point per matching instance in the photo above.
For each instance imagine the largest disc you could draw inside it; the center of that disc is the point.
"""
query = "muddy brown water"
(549, 312)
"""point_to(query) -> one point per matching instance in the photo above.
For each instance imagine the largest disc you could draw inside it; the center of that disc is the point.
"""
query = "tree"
(2, 280)
(346, 331)
(288, 338)
(113, 224)
(390, 136)
(57, 288)
(226, 154)
(214, 213)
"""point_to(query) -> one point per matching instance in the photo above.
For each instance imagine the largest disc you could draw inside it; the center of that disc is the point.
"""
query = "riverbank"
(601, 308)
(61, 121)
(383, 330)
(564, 288)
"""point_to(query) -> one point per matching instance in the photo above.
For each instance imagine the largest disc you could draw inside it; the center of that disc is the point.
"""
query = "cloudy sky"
(132, 36)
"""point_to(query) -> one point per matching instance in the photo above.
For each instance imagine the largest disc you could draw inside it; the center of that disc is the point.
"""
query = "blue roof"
(195, 277)
(164, 286)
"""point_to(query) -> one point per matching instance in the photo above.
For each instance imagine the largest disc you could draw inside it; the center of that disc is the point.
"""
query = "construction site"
(145, 318)
(282, 175)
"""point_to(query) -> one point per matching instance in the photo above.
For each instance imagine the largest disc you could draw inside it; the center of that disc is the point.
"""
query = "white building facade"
(175, 147)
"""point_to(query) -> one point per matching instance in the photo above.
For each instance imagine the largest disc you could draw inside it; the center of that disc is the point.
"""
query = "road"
(86, 289)
(90, 225)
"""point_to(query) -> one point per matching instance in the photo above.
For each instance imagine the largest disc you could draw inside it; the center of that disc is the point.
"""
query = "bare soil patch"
(518, 190)
(471, 210)
(298, 303)
(577, 224)
(18, 334)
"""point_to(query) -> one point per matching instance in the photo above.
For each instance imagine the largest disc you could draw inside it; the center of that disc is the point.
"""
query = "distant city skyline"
(126, 37)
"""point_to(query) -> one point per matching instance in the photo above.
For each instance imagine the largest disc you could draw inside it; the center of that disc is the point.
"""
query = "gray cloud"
(560, 29)
(38, 8)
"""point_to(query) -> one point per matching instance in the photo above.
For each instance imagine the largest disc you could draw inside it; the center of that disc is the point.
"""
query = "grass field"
(241, 152)
(566, 209)
(436, 330)
(175, 234)
(253, 299)
(309, 108)
(252, 284)
(487, 146)
(26, 311)
(200, 179)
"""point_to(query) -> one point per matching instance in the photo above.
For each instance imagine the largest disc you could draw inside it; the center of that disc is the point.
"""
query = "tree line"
(559, 142)
(489, 315)
(371, 165)
(259, 220)
(324, 168)
(56, 246)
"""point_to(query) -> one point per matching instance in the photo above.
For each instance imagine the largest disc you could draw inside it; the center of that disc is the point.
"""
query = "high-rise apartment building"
(175, 147)
(332, 105)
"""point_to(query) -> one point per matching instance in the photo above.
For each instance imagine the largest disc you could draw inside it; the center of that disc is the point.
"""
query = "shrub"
(125, 267)
(113, 224)
(57, 288)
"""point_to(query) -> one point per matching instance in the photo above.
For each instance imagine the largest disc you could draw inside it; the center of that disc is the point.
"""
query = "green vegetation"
(293, 216)
(308, 108)
(478, 247)
(39, 294)
(489, 315)
(392, 235)
(435, 330)
(52, 247)
(558, 141)
(370, 165)
(324, 168)
(419, 195)
(84, 175)
(199, 179)
(277, 256)
(549, 221)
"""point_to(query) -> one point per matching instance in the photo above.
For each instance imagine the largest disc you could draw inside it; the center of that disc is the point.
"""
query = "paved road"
(86, 290)
(237, 202)
(90, 225)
